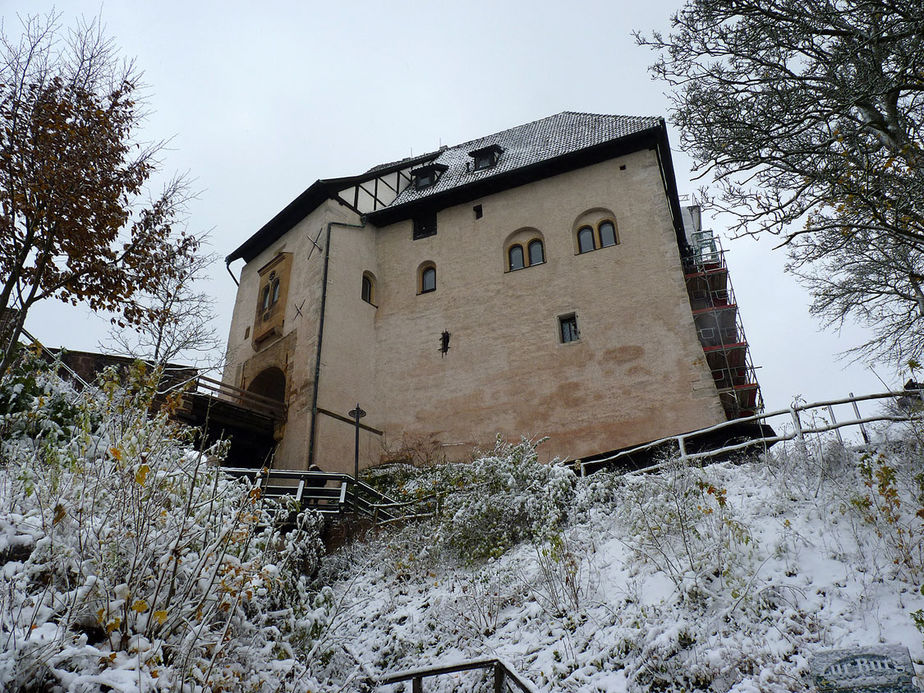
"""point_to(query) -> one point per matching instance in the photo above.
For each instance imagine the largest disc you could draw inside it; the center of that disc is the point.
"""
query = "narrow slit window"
(428, 280)
(368, 289)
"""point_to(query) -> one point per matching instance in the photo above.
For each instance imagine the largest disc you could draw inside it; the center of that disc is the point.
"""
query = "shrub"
(891, 501)
(680, 522)
(34, 402)
(509, 496)
(127, 556)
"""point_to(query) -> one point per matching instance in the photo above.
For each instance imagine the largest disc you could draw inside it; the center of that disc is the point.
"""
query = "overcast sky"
(260, 103)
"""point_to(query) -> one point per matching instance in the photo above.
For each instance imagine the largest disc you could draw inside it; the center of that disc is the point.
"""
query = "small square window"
(486, 157)
(424, 226)
(568, 329)
(425, 176)
(424, 180)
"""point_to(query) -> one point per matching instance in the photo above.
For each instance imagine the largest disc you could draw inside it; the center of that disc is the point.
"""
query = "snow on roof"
(529, 144)
(523, 146)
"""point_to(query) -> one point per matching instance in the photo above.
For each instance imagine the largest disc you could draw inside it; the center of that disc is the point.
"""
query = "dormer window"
(486, 157)
(425, 176)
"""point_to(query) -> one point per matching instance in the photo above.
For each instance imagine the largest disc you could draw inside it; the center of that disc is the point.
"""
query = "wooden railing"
(505, 678)
(798, 420)
(260, 404)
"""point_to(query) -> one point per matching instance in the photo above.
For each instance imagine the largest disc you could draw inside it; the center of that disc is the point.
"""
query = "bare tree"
(73, 224)
(806, 118)
(178, 317)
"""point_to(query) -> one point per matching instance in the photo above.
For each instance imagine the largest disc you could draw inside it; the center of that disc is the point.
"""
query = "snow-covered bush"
(129, 560)
(681, 522)
(501, 499)
(891, 499)
(564, 576)
(34, 402)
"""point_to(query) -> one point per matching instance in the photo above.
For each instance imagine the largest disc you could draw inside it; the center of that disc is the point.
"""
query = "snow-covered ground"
(723, 578)
(127, 563)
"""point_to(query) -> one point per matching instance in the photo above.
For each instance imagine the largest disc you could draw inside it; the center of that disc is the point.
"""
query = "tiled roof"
(528, 144)
(545, 144)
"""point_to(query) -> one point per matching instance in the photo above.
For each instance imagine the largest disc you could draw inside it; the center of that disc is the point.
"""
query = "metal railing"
(822, 419)
(328, 492)
(505, 677)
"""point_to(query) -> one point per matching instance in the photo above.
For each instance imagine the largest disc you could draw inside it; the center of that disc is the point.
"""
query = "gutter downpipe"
(317, 362)
(228, 267)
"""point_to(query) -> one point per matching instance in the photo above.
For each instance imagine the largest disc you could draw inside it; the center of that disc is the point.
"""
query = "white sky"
(261, 103)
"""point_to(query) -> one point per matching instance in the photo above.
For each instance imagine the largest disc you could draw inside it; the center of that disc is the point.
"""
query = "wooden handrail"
(250, 400)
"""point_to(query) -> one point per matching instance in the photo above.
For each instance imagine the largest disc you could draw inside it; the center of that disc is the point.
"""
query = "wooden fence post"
(498, 677)
(796, 423)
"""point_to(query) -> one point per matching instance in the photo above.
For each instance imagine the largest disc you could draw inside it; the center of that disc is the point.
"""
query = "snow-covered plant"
(129, 560)
(682, 523)
(564, 576)
(34, 402)
(500, 499)
(478, 598)
(892, 501)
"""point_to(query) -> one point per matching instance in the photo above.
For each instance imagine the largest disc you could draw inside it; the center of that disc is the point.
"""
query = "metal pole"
(834, 421)
(856, 410)
(357, 414)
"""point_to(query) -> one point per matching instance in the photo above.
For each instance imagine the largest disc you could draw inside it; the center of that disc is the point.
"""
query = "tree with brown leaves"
(74, 223)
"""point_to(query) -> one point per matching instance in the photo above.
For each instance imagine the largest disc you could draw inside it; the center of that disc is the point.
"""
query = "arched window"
(536, 253)
(515, 257)
(427, 279)
(275, 291)
(368, 288)
(525, 248)
(595, 229)
(607, 234)
(586, 240)
(265, 298)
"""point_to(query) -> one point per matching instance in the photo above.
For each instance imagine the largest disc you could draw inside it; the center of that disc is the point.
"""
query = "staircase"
(328, 493)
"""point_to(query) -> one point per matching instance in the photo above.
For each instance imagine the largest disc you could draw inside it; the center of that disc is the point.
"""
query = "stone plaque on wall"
(876, 669)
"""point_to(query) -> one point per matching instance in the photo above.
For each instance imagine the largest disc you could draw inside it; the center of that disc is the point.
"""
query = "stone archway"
(271, 383)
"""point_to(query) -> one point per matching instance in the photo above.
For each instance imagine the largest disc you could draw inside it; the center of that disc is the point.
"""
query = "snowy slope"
(128, 563)
(726, 578)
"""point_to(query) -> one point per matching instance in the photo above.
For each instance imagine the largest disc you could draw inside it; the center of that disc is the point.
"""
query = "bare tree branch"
(807, 119)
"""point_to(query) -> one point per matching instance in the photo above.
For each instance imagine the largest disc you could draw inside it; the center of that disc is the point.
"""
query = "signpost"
(356, 414)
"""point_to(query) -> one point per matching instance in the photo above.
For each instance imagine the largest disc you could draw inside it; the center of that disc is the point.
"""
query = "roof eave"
(670, 185)
(306, 203)
(275, 228)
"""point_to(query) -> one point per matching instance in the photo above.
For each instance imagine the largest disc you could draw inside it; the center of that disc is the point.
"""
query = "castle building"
(539, 282)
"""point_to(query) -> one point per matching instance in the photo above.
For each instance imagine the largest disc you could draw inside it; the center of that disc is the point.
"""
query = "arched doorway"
(271, 383)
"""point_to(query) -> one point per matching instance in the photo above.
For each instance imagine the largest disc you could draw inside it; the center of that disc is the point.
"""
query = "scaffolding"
(718, 324)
